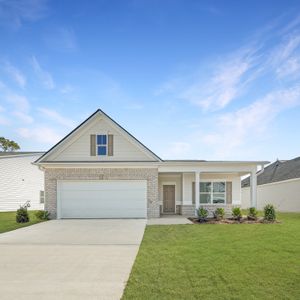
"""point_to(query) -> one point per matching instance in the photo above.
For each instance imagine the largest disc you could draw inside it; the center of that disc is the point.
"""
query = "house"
(100, 170)
(20, 181)
(278, 184)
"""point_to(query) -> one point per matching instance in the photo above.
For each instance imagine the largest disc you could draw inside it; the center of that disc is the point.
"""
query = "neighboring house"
(20, 181)
(100, 170)
(278, 184)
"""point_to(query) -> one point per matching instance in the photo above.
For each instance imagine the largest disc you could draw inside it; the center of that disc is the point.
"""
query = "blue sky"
(190, 79)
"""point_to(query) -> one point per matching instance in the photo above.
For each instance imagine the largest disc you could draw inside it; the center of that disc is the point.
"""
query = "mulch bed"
(232, 221)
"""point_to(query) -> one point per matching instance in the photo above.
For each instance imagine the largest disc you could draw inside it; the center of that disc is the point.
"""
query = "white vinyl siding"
(78, 147)
(102, 199)
(20, 181)
(284, 195)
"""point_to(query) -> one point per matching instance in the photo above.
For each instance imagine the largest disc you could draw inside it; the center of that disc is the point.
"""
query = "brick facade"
(189, 210)
(149, 174)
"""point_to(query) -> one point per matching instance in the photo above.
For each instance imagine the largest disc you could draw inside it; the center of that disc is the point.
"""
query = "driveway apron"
(69, 259)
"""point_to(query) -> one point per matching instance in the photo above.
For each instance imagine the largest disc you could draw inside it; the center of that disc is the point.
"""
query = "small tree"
(252, 214)
(269, 212)
(22, 213)
(219, 213)
(8, 145)
(236, 213)
(202, 214)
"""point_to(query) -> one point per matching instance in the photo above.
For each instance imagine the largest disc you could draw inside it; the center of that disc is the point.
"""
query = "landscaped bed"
(243, 220)
(236, 216)
(257, 261)
(8, 221)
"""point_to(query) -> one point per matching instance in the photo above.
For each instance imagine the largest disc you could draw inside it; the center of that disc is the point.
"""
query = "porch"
(181, 193)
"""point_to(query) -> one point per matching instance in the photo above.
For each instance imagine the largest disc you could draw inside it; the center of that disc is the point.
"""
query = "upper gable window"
(101, 144)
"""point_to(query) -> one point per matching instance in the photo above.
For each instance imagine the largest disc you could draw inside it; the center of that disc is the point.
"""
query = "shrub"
(252, 214)
(42, 215)
(22, 214)
(269, 212)
(202, 213)
(219, 213)
(236, 213)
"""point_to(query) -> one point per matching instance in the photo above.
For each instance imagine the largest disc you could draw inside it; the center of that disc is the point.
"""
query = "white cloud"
(4, 120)
(19, 102)
(285, 58)
(15, 74)
(67, 89)
(236, 128)
(18, 105)
(55, 116)
(2, 85)
(44, 76)
(289, 67)
(222, 88)
(40, 134)
(24, 117)
(61, 39)
(227, 81)
(134, 106)
(214, 85)
(14, 12)
(178, 149)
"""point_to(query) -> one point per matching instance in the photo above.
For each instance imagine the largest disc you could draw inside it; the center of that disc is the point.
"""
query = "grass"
(246, 261)
(8, 221)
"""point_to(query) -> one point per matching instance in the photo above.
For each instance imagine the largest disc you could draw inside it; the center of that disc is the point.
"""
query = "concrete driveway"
(69, 259)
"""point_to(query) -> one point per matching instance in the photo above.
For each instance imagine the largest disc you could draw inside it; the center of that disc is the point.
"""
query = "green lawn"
(247, 261)
(8, 221)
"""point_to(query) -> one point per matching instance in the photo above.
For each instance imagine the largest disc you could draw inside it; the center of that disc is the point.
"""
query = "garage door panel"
(103, 199)
(102, 185)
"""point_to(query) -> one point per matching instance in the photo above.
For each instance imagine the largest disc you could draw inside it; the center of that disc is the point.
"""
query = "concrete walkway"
(169, 220)
(69, 259)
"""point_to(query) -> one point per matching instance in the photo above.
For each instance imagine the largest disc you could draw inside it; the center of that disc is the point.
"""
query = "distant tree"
(8, 145)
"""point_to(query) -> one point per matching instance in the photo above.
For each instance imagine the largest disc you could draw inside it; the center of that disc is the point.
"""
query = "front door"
(169, 198)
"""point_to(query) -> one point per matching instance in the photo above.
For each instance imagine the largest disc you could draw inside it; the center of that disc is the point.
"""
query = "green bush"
(42, 215)
(236, 213)
(219, 213)
(269, 212)
(22, 215)
(202, 213)
(252, 213)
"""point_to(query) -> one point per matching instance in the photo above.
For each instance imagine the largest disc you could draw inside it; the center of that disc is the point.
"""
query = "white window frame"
(211, 193)
(102, 145)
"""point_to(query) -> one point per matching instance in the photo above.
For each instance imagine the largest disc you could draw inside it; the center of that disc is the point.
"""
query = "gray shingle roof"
(14, 153)
(277, 171)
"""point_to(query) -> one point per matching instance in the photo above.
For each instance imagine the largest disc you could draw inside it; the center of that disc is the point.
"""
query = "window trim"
(42, 197)
(102, 145)
(211, 193)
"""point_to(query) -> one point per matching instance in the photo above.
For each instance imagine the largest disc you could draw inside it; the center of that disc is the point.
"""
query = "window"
(212, 192)
(42, 197)
(101, 144)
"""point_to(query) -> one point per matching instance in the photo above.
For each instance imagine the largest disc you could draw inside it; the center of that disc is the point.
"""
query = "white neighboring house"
(100, 170)
(277, 184)
(20, 181)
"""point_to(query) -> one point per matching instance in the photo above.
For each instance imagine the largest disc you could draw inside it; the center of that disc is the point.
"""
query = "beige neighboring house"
(278, 184)
(100, 170)
(20, 181)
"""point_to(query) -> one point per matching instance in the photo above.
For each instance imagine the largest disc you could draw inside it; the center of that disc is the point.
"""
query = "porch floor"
(169, 220)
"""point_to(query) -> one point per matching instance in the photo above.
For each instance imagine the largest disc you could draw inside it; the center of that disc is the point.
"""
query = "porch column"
(197, 194)
(253, 189)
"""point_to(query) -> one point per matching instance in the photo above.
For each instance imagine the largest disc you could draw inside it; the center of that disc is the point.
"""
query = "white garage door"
(102, 199)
